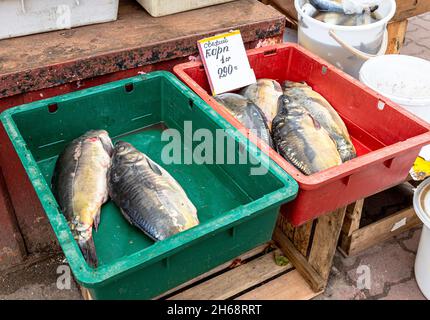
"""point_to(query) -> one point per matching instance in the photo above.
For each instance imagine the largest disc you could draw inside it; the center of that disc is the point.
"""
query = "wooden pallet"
(354, 239)
(253, 275)
(311, 247)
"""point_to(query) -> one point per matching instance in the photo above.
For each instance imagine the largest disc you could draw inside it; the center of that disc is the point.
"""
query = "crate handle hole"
(346, 180)
(324, 69)
(129, 87)
(388, 163)
(381, 105)
(52, 108)
(270, 52)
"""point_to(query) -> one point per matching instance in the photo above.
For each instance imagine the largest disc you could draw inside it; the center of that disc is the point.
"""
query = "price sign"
(225, 61)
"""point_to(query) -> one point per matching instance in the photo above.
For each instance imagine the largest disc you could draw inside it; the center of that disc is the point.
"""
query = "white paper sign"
(226, 63)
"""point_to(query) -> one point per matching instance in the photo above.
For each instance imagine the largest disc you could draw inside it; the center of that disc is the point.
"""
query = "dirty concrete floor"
(389, 264)
(38, 280)
(389, 267)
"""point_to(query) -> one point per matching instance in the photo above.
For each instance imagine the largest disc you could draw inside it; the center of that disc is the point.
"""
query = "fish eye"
(121, 148)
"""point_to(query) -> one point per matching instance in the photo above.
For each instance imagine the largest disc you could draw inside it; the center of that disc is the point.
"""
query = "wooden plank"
(85, 293)
(290, 286)
(286, 227)
(382, 230)
(325, 240)
(230, 264)
(312, 277)
(287, 8)
(352, 217)
(235, 281)
(396, 36)
(410, 8)
(302, 236)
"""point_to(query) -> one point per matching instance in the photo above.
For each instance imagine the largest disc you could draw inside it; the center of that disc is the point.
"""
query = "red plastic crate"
(387, 139)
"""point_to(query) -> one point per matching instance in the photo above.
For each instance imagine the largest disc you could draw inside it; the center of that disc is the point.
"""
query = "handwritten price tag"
(226, 63)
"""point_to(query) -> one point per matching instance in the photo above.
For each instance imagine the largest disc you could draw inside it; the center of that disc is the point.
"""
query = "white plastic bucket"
(403, 79)
(422, 261)
(336, 44)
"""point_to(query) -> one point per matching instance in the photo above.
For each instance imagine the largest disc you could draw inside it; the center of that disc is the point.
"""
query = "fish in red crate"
(321, 110)
(265, 94)
(301, 139)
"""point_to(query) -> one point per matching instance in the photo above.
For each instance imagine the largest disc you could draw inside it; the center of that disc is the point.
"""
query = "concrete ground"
(384, 271)
(391, 263)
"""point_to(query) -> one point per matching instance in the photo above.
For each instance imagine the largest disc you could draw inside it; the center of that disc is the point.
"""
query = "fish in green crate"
(321, 110)
(302, 140)
(147, 195)
(247, 113)
(265, 94)
(79, 184)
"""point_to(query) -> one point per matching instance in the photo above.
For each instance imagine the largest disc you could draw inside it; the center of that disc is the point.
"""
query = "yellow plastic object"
(420, 169)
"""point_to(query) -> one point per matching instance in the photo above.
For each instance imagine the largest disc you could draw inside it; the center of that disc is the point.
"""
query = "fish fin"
(317, 125)
(97, 220)
(88, 249)
(126, 216)
(141, 228)
(154, 167)
(281, 103)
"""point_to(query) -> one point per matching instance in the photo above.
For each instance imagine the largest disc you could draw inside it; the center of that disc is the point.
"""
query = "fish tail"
(88, 249)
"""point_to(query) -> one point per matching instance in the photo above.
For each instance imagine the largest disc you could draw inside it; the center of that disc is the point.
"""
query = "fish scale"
(321, 110)
(301, 140)
(247, 113)
(80, 187)
(148, 196)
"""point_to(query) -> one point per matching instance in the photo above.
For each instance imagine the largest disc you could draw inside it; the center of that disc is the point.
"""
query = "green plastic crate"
(237, 211)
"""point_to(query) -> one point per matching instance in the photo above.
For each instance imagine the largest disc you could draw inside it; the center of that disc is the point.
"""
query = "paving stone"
(43, 292)
(417, 42)
(408, 290)
(390, 264)
(342, 262)
(339, 289)
(412, 243)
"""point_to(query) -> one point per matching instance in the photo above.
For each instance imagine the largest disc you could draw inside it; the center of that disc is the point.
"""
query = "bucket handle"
(358, 53)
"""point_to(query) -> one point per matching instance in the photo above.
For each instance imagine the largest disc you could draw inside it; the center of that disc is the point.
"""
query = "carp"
(301, 140)
(321, 110)
(148, 196)
(79, 184)
(264, 94)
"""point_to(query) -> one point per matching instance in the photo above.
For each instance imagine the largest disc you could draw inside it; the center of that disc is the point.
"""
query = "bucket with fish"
(345, 32)
(131, 224)
(340, 140)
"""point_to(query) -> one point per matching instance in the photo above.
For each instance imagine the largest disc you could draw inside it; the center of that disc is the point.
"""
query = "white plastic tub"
(158, 8)
(403, 79)
(24, 17)
(336, 44)
(422, 261)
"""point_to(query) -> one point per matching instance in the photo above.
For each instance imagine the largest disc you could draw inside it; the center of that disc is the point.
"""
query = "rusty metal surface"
(12, 249)
(136, 39)
(31, 219)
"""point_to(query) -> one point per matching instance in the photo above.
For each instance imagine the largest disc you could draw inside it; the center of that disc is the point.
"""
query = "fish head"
(232, 101)
(103, 137)
(106, 141)
(124, 152)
